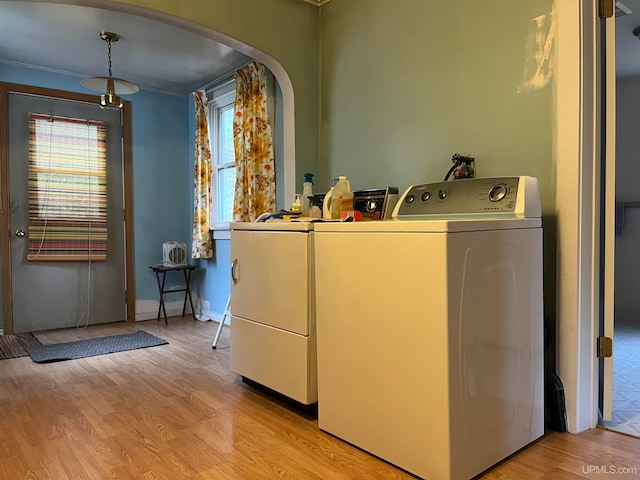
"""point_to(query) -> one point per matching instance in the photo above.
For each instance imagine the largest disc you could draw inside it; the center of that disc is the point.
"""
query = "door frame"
(607, 118)
(5, 237)
(577, 155)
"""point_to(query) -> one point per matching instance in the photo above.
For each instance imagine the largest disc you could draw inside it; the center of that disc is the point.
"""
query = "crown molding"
(317, 2)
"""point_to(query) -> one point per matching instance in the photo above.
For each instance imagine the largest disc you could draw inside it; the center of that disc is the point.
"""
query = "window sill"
(221, 231)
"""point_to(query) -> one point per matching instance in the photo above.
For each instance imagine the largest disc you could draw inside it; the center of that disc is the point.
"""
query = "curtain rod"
(225, 79)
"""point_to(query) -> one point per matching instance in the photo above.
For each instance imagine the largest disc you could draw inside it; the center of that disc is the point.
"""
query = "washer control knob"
(410, 199)
(371, 205)
(442, 194)
(426, 196)
(498, 192)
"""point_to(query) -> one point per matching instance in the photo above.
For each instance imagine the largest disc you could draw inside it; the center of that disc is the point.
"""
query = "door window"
(67, 189)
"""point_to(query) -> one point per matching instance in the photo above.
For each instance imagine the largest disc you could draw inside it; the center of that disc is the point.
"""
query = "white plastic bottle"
(341, 197)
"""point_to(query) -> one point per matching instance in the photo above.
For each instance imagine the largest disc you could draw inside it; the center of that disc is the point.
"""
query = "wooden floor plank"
(178, 412)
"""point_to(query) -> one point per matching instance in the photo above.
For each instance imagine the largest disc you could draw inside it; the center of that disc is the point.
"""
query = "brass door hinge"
(607, 8)
(605, 347)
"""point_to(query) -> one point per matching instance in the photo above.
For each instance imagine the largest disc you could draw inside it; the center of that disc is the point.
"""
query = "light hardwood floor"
(177, 412)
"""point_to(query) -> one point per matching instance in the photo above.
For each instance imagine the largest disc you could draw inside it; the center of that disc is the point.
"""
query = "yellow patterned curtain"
(202, 247)
(253, 144)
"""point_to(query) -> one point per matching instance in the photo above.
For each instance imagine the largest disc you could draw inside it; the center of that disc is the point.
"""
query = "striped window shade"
(67, 189)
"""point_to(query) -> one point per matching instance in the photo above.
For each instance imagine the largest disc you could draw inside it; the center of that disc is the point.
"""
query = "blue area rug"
(91, 347)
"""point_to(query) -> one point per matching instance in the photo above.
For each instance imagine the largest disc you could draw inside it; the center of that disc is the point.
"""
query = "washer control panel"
(501, 196)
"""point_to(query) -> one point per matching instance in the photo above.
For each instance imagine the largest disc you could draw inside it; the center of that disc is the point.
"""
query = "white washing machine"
(430, 327)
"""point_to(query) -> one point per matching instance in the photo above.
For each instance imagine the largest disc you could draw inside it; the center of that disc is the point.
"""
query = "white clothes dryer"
(272, 306)
(430, 327)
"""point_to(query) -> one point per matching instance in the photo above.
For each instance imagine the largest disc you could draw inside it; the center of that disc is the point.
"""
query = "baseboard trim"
(148, 310)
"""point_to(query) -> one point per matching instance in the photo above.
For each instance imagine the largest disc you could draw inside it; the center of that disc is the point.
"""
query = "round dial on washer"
(498, 192)
(371, 206)
(426, 196)
(410, 199)
(442, 194)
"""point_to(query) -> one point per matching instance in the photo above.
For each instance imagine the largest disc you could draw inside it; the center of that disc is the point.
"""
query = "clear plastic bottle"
(341, 197)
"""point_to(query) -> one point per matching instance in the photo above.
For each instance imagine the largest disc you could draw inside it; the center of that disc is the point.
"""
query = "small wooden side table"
(161, 271)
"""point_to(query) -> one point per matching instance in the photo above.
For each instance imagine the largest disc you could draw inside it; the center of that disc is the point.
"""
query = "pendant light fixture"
(109, 85)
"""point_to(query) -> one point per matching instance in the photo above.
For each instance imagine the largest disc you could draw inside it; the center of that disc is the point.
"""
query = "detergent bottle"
(307, 191)
(338, 199)
(296, 206)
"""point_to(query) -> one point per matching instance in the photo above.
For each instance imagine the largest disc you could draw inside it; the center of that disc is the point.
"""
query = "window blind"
(67, 185)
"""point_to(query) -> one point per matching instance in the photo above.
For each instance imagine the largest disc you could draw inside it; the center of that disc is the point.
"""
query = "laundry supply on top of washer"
(297, 206)
(315, 212)
(338, 199)
(371, 203)
(307, 194)
(315, 205)
(368, 204)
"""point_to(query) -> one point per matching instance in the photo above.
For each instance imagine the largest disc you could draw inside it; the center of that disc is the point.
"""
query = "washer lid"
(434, 225)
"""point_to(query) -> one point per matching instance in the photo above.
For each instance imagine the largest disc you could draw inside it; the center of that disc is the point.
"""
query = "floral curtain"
(255, 191)
(202, 246)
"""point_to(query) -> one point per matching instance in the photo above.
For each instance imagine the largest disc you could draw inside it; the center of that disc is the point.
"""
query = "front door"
(66, 218)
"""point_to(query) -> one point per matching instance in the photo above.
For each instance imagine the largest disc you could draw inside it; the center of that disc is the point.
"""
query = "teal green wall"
(406, 84)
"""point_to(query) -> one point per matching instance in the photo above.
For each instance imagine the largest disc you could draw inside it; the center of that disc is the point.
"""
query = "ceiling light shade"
(100, 84)
(109, 85)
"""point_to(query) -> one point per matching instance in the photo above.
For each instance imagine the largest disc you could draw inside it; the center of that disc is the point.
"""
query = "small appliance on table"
(430, 348)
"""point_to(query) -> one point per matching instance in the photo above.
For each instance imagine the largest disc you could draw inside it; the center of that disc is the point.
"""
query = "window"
(223, 183)
(67, 189)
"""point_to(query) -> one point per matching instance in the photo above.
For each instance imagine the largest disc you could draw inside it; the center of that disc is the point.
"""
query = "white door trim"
(609, 220)
(577, 208)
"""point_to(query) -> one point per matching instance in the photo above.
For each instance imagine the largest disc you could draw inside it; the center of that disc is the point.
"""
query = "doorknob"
(19, 233)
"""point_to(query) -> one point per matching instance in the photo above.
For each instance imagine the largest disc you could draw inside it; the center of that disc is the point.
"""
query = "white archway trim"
(271, 63)
(288, 114)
